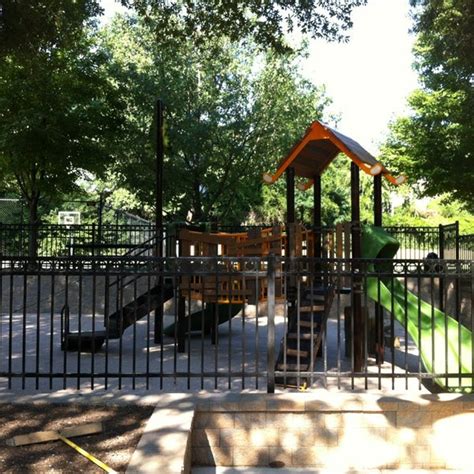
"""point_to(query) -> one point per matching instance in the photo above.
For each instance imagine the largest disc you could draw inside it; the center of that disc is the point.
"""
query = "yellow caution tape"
(84, 453)
(303, 387)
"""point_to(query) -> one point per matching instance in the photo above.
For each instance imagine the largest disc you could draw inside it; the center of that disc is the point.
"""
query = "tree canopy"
(434, 144)
(43, 24)
(57, 110)
(266, 22)
(230, 113)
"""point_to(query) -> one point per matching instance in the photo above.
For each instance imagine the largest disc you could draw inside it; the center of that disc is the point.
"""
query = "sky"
(368, 78)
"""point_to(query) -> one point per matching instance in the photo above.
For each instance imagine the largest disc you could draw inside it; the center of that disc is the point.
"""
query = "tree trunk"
(33, 228)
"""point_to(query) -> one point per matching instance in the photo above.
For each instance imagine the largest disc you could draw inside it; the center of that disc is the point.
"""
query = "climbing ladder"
(305, 331)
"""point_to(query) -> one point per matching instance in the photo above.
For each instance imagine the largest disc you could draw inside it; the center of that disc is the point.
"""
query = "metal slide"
(205, 318)
(445, 346)
(116, 323)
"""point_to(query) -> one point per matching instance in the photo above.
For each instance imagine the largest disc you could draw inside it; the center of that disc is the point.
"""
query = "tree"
(57, 109)
(265, 22)
(231, 114)
(434, 145)
(28, 26)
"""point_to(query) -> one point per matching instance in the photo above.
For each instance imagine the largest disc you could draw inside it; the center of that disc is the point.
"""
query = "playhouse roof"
(311, 155)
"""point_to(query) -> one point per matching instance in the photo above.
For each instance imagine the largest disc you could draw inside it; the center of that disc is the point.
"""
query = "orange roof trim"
(318, 148)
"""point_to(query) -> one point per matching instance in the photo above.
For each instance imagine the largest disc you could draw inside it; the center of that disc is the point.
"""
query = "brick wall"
(335, 431)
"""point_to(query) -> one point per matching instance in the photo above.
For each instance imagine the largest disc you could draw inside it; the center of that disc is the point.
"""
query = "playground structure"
(211, 278)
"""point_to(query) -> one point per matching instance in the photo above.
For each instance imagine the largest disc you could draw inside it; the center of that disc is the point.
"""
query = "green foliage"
(27, 26)
(265, 22)
(434, 145)
(230, 113)
(58, 110)
(442, 210)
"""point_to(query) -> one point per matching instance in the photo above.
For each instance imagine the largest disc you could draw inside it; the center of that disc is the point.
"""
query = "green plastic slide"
(205, 317)
(445, 346)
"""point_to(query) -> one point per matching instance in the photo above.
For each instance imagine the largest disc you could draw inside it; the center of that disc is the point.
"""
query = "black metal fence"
(233, 323)
(114, 240)
(466, 247)
(416, 242)
(56, 240)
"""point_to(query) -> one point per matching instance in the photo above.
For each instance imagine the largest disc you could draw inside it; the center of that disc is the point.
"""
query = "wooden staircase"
(302, 342)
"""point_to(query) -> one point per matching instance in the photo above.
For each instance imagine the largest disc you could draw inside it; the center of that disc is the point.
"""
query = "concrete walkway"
(242, 350)
(269, 470)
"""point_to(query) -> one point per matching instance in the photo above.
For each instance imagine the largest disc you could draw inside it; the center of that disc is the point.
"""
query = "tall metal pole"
(158, 323)
(379, 333)
(358, 336)
(271, 325)
(101, 210)
(442, 243)
(159, 178)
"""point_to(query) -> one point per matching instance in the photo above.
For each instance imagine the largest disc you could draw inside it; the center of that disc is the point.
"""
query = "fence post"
(158, 322)
(457, 287)
(442, 244)
(456, 230)
(271, 324)
(94, 241)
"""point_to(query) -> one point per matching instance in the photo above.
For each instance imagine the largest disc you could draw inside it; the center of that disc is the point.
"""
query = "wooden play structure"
(308, 300)
(308, 158)
(293, 289)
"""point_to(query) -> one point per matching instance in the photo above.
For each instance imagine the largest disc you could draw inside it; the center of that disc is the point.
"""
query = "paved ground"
(242, 348)
(269, 470)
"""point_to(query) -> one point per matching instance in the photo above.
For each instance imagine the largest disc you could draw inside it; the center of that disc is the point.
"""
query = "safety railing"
(466, 247)
(54, 240)
(315, 325)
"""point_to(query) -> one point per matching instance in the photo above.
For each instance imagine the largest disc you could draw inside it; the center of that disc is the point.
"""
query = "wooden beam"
(290, 251)
(378, 200)
(317, 217)
(290, 210)
(358, 336)
(46, 436)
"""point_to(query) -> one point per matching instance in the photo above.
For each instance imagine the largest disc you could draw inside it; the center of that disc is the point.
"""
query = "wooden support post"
(317, 228)
(378, 200)
(358, 338)
(290, 241)
(317, 219)
(158, 322)
(290, 211)
(379, 333)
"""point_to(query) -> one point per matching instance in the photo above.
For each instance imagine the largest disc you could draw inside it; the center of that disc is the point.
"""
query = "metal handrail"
(128, 253)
